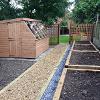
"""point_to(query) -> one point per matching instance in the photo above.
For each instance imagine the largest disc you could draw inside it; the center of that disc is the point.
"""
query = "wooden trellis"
(85, 31)
(53, 32)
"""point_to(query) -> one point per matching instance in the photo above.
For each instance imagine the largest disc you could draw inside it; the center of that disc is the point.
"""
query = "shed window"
(37, 29)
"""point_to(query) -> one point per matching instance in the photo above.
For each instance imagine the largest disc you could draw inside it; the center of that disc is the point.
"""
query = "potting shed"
(22, 37)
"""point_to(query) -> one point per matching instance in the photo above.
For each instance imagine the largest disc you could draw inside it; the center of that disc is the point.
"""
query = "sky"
(72, 6)
(71, 0)
(13, 3)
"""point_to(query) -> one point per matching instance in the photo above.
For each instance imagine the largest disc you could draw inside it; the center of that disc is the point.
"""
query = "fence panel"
(84, 31)
(53, 32)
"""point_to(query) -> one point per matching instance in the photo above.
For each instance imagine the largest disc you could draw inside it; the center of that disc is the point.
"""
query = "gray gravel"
(11, 69)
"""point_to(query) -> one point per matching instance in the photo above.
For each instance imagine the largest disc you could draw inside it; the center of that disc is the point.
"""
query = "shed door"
(12, 40)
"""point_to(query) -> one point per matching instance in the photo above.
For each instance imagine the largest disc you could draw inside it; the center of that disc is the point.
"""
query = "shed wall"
(42, 45)
(17, 40)
(28, 43)
(4, 41)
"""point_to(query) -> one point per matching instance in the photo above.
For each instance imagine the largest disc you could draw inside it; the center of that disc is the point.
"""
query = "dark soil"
(85, 58)
(83, 47)
(80, 85)
(82, 42)
(11, 69)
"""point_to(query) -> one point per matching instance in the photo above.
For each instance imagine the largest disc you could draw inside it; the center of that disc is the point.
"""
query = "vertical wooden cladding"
(42, 45)
(17, 40)
(4, 42)
(28, 42)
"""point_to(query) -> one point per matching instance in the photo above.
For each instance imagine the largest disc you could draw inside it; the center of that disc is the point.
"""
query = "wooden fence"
(53, 32)
(82, 31)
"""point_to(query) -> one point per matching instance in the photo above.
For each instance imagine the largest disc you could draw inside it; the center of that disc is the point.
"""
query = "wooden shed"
(22, 37)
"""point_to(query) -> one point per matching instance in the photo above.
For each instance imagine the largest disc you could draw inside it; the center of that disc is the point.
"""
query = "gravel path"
(85, 58)
(80, 85)
(84, 47)
(28, 86)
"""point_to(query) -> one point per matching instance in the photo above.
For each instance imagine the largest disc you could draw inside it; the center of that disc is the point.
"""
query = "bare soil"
(84, 47)
(79, 85)
(82, 42)
(85, 58)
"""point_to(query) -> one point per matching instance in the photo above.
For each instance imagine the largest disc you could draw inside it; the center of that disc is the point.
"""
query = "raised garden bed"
(83, 47)
(81, 85)
(82, 42)
(85, 58)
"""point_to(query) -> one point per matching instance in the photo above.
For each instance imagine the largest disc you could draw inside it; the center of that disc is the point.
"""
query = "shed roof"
(18, 19)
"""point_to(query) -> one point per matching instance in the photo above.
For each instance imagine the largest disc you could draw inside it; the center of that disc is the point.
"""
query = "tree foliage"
(7, 11)
(85, 11)
(46, 10)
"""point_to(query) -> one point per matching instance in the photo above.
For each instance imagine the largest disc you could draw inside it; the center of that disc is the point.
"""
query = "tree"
(46, 10)
(7, 11)
(85, 11)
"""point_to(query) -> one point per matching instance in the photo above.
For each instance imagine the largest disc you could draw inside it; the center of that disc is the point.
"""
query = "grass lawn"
(64, 39)
(53, 41)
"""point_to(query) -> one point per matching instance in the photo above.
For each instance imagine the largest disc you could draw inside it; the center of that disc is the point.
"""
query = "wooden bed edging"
(84, 50)
(61, 81)
(69, 56)
(60, 85)
(84, 67)
(94, 46)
